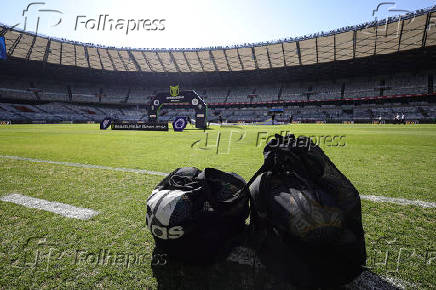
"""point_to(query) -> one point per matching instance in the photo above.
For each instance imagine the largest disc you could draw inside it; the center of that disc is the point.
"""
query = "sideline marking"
(370, 280)
(401, 201)
(72, 164)
(63, 209)
(373, 198)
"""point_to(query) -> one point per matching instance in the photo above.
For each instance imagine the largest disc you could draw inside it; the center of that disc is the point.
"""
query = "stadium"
(371, 84)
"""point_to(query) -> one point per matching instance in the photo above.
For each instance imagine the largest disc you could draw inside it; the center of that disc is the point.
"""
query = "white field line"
(63, 209)
(402, 201)
(374, 198)
(72, 164)
(369, 280)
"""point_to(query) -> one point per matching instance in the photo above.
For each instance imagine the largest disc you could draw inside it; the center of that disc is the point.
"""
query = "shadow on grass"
(242, 267)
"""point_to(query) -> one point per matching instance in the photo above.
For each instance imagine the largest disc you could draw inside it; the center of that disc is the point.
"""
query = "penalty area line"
(63, 209)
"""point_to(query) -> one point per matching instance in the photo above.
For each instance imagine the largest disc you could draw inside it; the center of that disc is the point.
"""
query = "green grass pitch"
(40, 249)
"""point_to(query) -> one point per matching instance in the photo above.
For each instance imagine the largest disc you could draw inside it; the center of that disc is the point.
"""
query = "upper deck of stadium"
(388, 36)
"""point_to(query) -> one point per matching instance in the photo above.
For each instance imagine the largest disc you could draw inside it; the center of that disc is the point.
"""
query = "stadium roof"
(406, 33)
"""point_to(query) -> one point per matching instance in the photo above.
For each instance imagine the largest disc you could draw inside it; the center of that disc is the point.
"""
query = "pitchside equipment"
(104, 124)
(179, 98)
(193, 215)
(306, 215)
(138, 126)
(179, 124)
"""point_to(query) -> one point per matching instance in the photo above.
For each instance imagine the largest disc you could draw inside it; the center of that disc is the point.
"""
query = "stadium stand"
(353, 88)
(353, 73)
(53, 112)
(86, 106)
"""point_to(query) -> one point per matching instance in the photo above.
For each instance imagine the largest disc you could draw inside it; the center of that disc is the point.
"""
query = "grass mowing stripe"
(373, 198)
(63, 209)
(85, 165)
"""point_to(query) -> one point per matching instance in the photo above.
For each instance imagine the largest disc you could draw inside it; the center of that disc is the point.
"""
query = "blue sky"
(195, 23)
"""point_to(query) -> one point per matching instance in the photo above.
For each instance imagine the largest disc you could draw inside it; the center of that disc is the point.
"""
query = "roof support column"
(240, 61)
(424, 34)
(375, 40)
(227, 60)
(161, 62)
(31, 48)
(11, 50)
(269, 59)
(3, 31)
(254, 58)
(146, 60)
(112, 61)
(75, 55)
(173, 59)
(99, 58)
(87, 56)
(400, 34)
(138, 67)
(47, 51)
(187, 62)
(354, 43)
(199, 60)
(122, 60)
(298, 51)
(213, 60)
(60, 53)
(284, 57)
(334, 47)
